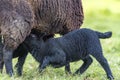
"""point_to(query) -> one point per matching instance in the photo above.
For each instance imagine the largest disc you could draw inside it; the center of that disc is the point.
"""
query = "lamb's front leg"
(44, 64)
(57, 59)
(7, 57)
(67, 68)
(20, 63)
(87, 61)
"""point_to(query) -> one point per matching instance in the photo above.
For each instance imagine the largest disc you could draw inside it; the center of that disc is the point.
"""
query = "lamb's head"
(33, 41)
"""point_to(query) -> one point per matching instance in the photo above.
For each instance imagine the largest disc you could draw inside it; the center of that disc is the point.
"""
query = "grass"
(102, 15)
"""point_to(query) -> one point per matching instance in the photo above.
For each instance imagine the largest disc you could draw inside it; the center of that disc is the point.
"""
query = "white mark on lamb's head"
(31, 39)
(37, 37)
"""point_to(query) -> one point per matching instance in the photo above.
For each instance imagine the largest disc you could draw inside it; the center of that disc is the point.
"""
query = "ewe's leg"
(101, 59)
(1, 63)
(1, 54)
(1, 58)
(7, 56)
(1, 66)
(87, 61)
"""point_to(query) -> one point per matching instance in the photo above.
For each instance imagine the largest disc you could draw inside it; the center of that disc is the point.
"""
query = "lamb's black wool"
(76, 45)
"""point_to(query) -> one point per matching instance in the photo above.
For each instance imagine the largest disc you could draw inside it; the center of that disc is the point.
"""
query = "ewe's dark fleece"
(19, 17)
(57, 16)
(76, 45)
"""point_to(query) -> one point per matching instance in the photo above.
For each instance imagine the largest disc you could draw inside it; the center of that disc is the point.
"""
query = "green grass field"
(101, 15)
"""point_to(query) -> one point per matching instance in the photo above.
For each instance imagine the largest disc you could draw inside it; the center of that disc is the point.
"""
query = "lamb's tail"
(104, 35)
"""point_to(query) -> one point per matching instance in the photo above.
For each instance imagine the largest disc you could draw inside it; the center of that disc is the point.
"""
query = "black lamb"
(76, 45)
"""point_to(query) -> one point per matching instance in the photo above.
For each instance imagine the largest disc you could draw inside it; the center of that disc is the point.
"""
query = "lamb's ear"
(41, 36)
(48, 37)
(33, 35)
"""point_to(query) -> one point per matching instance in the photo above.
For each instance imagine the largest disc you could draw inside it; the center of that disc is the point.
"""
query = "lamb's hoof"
(16, 65)
(19, 74)
(75, 74)
(41, 70)
(11, 74)
(110, 77)
(68, 73)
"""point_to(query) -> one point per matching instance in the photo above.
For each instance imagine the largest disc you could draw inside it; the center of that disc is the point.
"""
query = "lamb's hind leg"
(101, 59)
(86, 63)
